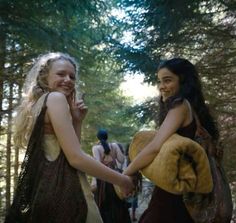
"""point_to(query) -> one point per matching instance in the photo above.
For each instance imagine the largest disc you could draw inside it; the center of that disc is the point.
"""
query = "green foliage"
(163, 29)
(202, 31)
(80, 28)
(68, 27)
(107, 108)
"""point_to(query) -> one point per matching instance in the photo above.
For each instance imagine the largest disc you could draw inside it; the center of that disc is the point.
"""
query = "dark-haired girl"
(181, 102)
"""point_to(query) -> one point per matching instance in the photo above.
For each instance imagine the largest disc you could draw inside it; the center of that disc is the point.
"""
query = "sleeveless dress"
(165, 207)
(49, 189)
(52, 150)
(112, 208)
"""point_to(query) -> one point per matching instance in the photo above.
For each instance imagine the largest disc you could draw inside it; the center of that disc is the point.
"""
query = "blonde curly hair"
(35, 86)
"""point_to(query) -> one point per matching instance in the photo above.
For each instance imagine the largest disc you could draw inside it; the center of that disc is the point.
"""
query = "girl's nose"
(67, 78)
(161, 86)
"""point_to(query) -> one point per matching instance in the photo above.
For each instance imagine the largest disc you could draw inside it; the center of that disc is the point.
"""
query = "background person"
(111, 207)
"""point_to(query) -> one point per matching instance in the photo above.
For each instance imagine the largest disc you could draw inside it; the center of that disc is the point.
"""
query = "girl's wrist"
(120, 180)
(77, 123)
(127, 171)
(124, 181)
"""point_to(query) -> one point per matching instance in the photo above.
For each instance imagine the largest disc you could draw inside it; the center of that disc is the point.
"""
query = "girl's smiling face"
(61, 77)
(168, 83)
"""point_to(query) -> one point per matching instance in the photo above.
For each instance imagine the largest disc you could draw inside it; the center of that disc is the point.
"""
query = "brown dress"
(166, 207)
(49, 189)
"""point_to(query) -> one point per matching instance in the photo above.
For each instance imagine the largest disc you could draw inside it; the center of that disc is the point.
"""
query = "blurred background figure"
(112, 208)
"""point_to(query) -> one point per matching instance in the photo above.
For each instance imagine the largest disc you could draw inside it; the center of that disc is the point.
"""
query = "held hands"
(126, 188)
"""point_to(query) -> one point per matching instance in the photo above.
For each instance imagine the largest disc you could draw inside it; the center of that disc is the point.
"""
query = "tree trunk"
(9, 144)
(16, 162)
(2, 62)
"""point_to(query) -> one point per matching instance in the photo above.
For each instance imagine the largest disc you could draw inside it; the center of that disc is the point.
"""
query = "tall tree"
(31, 28)
(202, 31)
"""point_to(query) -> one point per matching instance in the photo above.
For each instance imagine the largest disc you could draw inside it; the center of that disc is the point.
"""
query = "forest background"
(111, 39)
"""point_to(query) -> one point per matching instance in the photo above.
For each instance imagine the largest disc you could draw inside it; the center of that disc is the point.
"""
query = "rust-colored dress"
(166, 207)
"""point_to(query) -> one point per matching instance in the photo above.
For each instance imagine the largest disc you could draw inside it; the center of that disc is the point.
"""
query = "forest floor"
(143, 198)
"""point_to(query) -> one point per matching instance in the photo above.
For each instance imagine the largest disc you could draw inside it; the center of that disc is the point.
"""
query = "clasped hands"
(129, 187)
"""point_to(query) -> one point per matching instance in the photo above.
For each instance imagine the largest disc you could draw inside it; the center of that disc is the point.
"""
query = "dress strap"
(45, 99)
(190, 110)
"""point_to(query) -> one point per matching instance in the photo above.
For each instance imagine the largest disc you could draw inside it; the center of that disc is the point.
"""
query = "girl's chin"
(164, 99)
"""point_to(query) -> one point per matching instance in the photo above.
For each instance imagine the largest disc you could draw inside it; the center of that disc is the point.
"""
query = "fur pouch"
(181, 166)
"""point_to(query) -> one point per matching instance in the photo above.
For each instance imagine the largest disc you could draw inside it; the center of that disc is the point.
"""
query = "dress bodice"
(188, 130)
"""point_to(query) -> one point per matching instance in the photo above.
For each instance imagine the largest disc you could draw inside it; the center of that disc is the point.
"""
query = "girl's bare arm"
(60, 117)
(172, 122)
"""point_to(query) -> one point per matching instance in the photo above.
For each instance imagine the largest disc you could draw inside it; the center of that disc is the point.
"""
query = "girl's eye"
(72, 77)
(167, 81)
(158, 82)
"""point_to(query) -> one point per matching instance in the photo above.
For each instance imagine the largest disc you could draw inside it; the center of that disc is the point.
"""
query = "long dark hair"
(103, 136)
(190, 89)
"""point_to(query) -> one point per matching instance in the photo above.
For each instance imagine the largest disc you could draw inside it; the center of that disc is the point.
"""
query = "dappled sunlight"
(134, 87)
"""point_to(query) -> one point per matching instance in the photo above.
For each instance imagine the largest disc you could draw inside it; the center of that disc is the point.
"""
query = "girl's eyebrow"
(165, 77)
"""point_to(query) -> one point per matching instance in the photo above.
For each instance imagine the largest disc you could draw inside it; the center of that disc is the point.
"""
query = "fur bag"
(181, 165)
